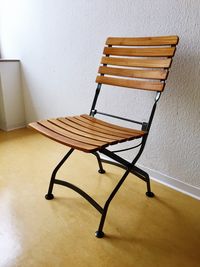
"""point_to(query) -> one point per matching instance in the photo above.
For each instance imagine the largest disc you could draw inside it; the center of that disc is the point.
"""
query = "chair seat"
(84, 132)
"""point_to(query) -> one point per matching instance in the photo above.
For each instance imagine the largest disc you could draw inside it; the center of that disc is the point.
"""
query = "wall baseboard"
(13, 127)
(170, 181)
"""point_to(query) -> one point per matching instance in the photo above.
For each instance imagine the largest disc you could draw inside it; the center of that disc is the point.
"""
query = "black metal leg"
(149, 193)
(99, 233)
(136, 171)
(101, 170)
(130, 167)
(145, 176)
(49, 195)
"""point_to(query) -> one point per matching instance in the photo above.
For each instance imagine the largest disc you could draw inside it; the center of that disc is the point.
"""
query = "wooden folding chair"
(141, 63)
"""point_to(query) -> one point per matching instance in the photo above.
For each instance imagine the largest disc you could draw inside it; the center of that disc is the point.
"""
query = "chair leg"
(49, 195)
(145, 177)
(101, 170)
(149, 193)
(99, 233)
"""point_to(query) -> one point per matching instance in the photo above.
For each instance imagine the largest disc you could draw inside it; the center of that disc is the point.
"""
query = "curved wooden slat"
(80, 132)
(114, 126)
(58, 130)
(143, 41)
(135, 84)
(63, 140)
(98, 128)
(82, 127)
(140, 52)
(71, 135)
(95, 123)
(107, 127)
(133, 73)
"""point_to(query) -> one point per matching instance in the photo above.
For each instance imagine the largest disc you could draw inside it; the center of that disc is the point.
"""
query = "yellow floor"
(163, 231)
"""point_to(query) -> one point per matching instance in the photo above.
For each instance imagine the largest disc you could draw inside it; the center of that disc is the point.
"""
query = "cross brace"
(118, 161)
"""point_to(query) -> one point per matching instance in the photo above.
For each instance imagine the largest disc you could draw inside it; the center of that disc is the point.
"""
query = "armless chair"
(140, 63)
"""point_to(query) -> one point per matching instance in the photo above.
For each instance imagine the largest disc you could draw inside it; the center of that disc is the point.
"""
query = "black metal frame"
(118, 161)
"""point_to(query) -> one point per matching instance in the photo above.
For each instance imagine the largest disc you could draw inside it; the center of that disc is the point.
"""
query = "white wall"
(60, 42)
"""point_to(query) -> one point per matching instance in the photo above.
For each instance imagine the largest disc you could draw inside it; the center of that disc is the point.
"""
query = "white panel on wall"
(12, 114)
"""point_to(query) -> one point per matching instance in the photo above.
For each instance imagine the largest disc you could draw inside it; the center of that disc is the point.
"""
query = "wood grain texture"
(61, 139)
(135, 84)
(71, 135)
(107, 127)
(143, 41)
(137, 62)
(140, 52)
(133, 73)
(61, 131)
(80, 131)
(121, 128)
(81, 127)
(97, 128)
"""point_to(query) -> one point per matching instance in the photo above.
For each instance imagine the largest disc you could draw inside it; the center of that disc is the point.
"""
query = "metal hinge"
(144, 126)
(93, 112)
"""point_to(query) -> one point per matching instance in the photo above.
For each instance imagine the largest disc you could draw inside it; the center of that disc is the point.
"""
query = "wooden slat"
(73, 136)
(151, 86)
(145, 74)
(143, 41)
(82, 127)
(140, 52)
(80, 132)
(63, 140)
(63, 136)
(107, 127)
(137, 62)
(125, 129)
(98, 128)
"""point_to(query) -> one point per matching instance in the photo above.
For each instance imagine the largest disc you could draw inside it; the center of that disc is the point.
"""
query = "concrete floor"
(163, 231)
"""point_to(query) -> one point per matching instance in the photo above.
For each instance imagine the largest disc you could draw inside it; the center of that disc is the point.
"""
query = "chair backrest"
(143, 62)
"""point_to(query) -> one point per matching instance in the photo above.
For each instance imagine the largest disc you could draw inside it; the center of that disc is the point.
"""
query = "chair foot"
(101, 171)
(99, 234)
(49, 196)
(150, 194)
